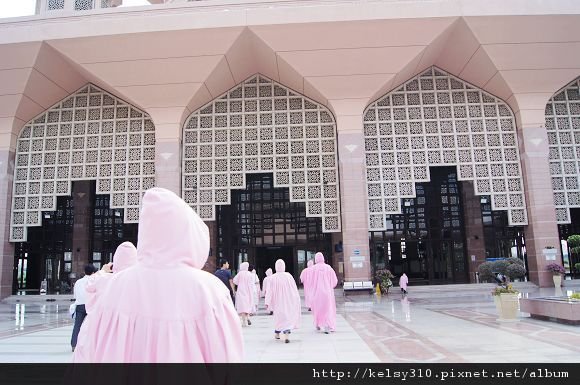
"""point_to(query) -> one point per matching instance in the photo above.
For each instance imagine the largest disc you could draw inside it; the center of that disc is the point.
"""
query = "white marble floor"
(433, 324)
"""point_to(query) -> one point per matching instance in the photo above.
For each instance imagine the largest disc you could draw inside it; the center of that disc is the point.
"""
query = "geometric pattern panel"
(436, 119)
(90, 135)
(262, 126)
(563, 125)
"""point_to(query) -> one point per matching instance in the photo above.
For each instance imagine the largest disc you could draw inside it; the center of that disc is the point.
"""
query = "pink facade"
(170, 60)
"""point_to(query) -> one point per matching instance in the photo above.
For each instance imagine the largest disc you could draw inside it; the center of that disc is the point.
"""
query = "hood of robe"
(244, 266)
(310, 263)
(170, 232)
(319, 258)
(280, 266)
(125, 256)
(268, 272)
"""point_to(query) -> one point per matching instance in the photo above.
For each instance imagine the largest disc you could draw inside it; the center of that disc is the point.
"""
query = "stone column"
(83, 196)
(355, 234)
(168, 129)
(542, 229)
(6, 248)
(211, 263)
(474, 234)
(337, 256)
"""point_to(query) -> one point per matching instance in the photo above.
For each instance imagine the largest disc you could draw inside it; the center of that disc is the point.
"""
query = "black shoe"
(249, 322)
(287, 341)
(271, 312)
(309, 309)
(326, 332)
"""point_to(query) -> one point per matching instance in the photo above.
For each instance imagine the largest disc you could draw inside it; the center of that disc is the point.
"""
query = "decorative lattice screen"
(563, 125)
(55, 4)
(90, 135)
(262, 126)
(437, 119)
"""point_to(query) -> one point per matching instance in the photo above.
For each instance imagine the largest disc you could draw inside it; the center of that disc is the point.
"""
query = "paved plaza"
(433, 324)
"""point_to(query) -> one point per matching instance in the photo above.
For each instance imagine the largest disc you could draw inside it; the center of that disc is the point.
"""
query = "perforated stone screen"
(563, 125)
(90, 135)
(261, 126)
(436, 119)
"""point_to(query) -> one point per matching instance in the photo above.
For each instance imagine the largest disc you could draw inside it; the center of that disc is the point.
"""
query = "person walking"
(322, 302)
(285, 301)
(403, 282)
(80, 294)
(125, 256)
(255, 290)
(165, 308)
(266, 292)
(225, 275)
(245, 287)
(306, 281)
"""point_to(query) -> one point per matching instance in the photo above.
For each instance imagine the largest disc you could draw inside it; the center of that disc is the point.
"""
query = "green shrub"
(500, 266)
(515, 270)
(577, 266)
(485, 270)
(573, 241)
(516, 261)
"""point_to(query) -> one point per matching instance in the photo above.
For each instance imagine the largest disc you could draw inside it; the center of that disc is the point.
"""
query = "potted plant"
(384, 278)
(506, 300)
(557, 272)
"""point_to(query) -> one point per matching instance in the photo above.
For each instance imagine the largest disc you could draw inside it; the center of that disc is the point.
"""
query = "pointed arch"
(89, 135)
(436, 119)
(262, 126)
(563, 126)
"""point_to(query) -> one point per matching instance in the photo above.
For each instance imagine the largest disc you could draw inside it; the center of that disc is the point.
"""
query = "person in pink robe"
(125, 256)
(165, 308)
(266, 290)
(305, 279)
(403, 282)
(285, 301)
(245, 283)
(322, 302)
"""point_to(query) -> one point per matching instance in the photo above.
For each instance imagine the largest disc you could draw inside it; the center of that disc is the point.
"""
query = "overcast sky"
(13, 8)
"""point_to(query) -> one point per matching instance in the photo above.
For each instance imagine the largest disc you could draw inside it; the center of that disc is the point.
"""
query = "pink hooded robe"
(125, 256)
(245, 283)
(403, 281)
(165, 308)
(266, 288)
(284, 299)
(306, 281)
(322, 302)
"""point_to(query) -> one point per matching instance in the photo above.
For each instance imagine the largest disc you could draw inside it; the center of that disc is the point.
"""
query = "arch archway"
(90, 135)
(261, 126)
(436, 119)
(563, 126)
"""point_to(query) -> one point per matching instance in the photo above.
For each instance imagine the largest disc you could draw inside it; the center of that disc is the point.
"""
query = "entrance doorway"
(426, 241)
(48, 253)
(262, 225)
(266, 258)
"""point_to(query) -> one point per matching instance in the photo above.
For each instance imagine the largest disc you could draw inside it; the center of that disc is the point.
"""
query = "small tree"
(574, 245)
(515, 270)
(500, 266)
(485, 270)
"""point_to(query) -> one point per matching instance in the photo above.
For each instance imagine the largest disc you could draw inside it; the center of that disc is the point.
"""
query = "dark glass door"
(427, 240)
(47, 253)
(261, 223)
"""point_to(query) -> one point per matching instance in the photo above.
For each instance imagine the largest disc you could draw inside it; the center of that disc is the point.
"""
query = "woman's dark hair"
(251, 267)
(223, 262)
(90, 269)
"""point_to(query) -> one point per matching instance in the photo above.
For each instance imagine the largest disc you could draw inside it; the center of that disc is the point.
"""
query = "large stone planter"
(557, 280)
(507, 306)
